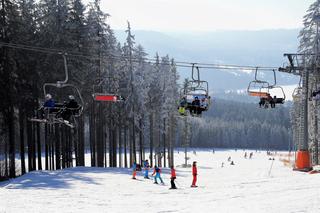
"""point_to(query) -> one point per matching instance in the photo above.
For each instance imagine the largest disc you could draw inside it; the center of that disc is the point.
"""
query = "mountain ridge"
(259, 47)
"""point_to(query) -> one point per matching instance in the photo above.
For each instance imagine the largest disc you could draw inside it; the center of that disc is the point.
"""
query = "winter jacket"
(72, 104)
(156, 170)
(173, 174)
(194, 170)
(146, 165)
(49, 103)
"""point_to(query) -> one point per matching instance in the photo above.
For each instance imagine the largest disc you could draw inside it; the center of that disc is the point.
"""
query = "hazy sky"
(206, 15)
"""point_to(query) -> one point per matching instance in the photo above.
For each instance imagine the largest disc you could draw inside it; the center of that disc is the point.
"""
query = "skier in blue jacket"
(146, 169)
(157, 172)
(49, 103)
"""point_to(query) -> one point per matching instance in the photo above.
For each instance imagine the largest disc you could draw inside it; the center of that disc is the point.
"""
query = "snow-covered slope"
(244, 187)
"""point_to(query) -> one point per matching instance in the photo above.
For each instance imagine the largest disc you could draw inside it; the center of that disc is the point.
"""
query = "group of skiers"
(246, 155)
(195, 106)
(268, 100)
(157, 173)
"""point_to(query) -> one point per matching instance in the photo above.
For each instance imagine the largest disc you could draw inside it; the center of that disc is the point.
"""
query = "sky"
(206, 15)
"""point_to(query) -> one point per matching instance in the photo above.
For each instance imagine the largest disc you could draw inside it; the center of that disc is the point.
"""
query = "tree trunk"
(57, 146)
(125, 147)
(29, 143)
(22, 134)
(120, 144)
(12, 148)
(140, 142)
(151, 140)
(39, 147)
(164, 143)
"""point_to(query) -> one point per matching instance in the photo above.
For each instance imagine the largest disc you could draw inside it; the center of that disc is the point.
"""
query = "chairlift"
(268, 94)
(297, 94)
(277, 92)
(196, 90)
(258, 88)
(52, 115)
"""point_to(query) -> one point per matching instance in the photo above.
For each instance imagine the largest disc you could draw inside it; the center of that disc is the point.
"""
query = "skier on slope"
(173, 177)
(157, 172)
(194, 174)
(251, 154)
(146, 169)
(134, 170)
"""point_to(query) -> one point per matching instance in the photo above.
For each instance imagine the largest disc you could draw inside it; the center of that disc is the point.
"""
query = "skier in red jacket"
(173, 177)
(194, 174)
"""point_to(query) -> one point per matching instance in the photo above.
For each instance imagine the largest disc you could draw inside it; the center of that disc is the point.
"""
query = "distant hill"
(226, 47)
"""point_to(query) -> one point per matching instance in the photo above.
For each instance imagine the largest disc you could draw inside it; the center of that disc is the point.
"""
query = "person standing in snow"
(146, 169)
(251, 154)
(157, 172)
(173, 177)
(194, 174)
(134, 170)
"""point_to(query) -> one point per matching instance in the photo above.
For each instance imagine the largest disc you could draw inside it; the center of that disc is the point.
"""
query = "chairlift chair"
(52, 114)
(196, 88)
(273, 88)
(297, 94)
(257, 87)
(265, 91)
(277, 99)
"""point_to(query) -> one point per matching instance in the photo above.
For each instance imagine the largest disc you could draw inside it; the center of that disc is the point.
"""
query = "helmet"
(48, 96)
(71, 97)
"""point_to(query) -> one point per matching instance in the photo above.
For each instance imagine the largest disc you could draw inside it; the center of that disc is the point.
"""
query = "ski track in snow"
(244, 187)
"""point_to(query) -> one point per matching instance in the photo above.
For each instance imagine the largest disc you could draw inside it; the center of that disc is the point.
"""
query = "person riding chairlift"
(262, 102)
(182, 106)
(278, 100)
(70, 108)
(204, 103)
(49, 103)
(268, 100)
(196, 106)
(48, 106)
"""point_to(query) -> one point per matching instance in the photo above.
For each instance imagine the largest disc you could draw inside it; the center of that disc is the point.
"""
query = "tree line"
(230, 124)
(117, 134)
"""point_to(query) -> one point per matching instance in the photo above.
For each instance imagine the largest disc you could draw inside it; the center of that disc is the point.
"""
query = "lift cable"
(137, 60)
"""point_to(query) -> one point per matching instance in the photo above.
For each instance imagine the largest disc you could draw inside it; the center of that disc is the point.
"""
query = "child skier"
(173, 177)
(194, 174)
(134, 170)
(157, 172)
(146, 169)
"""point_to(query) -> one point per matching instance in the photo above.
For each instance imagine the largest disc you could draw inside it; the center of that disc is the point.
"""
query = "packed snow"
(251, 185)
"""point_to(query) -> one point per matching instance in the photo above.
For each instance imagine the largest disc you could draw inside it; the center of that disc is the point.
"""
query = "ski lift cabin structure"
(52, 115)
